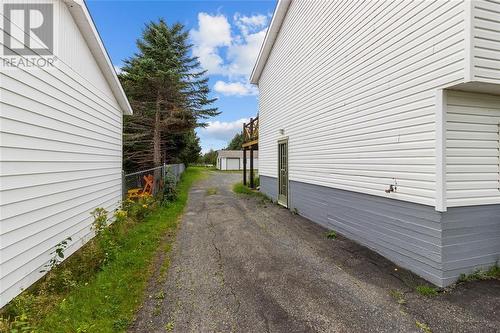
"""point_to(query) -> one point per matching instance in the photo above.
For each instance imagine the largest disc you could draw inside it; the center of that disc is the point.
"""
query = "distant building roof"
(236, 153)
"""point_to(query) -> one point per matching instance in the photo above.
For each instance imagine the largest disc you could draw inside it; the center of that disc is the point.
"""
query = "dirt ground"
(241, 264)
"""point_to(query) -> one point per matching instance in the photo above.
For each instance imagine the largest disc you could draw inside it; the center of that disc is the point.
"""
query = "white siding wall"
(353, 86)
(472, 149)
(486, 41)
(61, 153)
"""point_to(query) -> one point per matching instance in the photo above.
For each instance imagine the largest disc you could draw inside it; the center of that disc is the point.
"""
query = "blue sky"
(226, 35)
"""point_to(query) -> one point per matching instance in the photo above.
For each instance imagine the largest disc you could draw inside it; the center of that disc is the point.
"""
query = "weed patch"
(331, 235)
(398, 296)
(212, 191)
(423, 327)
(426, 290)
(242, 189)
(491, 274)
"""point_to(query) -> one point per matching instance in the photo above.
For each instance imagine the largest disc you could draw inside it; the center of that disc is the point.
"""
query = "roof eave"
(81, 15)
(271, 35)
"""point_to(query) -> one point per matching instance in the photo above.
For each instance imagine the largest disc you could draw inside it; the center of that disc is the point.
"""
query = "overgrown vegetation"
(99, 288)
(242, 189)
(426, 290)
(245, 190)
(490, 274)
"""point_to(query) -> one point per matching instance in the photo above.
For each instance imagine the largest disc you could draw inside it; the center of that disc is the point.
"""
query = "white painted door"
(232, 164)
(283, 173)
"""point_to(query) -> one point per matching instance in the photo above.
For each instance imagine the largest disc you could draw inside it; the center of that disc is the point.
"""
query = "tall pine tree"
(167, 90)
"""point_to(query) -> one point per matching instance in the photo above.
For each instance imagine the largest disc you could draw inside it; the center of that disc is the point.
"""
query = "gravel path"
(241, 264)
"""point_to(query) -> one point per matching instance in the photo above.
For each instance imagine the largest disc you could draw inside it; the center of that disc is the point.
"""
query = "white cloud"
(248, 24)
(221, 130)
(229, 54)
(235, 88)
(242, 56)
(213, 32)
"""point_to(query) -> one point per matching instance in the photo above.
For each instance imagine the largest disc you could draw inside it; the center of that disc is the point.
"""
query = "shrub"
(169, 187)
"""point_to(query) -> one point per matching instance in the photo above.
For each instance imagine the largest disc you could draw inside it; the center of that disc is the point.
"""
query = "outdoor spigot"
(391, 188)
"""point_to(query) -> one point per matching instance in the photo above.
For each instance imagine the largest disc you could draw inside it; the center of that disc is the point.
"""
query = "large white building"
(233, 160)
(381, 119)
(61, 136)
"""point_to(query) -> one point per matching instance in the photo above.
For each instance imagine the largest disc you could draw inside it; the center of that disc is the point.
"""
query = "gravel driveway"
(241, 264)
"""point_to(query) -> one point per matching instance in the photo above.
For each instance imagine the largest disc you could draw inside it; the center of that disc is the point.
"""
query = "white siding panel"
(472, 152)
(486, 41)
(61, 156)
(356, 98)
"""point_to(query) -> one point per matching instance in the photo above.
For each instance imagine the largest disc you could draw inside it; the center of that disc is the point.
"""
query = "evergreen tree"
(168, 92)
(210, 157)
(236, 142)
(183, 148)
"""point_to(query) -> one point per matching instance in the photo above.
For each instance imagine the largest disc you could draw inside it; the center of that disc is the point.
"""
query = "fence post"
(124, 186)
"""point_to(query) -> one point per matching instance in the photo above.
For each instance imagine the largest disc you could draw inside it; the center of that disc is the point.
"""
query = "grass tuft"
(423, 327)
(242, 189)
(398, 296)
(212, 191)
(426, 290)
(331, 235)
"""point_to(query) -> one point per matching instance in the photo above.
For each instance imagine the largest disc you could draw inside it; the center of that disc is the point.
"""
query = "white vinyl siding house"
(380, 93)
(60, 149)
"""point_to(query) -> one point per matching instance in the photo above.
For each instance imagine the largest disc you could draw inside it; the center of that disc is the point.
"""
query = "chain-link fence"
(149, 181)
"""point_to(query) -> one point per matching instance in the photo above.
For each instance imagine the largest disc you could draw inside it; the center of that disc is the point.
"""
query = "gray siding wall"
(471, 240)
(406, 233)
(437, 246)
(269, 186)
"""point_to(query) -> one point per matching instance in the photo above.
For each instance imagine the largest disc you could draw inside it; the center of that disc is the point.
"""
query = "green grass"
(331, 235)
(242, 189)
(245, 190)
(491, 274)
(110, 298)
(426, 290)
